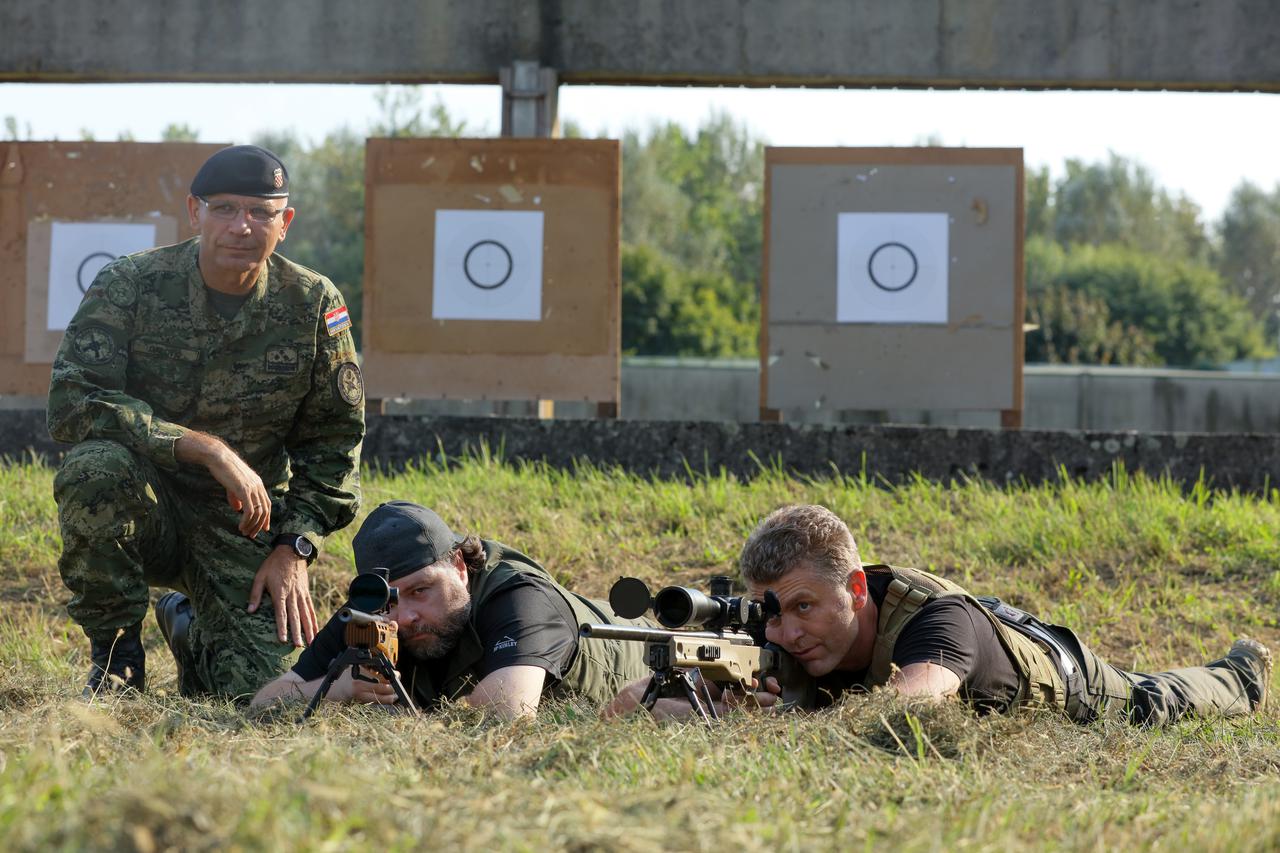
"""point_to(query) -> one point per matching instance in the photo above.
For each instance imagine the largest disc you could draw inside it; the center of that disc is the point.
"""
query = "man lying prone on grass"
(477, 622)
(855, 627)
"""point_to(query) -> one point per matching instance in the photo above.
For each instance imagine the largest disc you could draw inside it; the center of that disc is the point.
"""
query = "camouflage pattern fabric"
(144, 360)
(127, 526)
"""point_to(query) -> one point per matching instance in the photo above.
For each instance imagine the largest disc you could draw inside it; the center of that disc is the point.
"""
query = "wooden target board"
(893, 279)
(66, 209)
(491, 269)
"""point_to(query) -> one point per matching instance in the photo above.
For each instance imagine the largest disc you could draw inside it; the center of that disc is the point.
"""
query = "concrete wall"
(1136, 44)
(672, 448)
(1081, 398)
(1087, 398)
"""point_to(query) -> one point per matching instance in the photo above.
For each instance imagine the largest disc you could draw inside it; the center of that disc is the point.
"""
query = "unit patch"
(121, 293)
(282, 359)
(349, 384)
(337, 320)
(93, 345)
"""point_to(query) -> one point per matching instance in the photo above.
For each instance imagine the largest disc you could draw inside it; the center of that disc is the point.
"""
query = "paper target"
(77, 251)
(891, 268)
(488, 265)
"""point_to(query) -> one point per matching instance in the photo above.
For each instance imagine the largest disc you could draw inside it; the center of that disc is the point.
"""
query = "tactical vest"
(600, 668)
(1040, 682)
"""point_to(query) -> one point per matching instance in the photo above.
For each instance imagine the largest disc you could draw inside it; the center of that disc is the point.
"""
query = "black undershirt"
(950, 632)
(524, 622)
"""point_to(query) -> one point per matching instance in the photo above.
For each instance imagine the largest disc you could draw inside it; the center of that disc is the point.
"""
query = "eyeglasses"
(226, 211)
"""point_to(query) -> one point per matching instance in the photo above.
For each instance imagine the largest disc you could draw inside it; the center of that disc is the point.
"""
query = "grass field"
(1151, 577)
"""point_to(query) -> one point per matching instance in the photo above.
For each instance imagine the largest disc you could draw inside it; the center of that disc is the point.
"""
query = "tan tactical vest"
(1040, 681)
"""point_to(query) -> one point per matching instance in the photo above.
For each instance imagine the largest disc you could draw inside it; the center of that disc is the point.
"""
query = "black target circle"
(897, 263)
(488, 265)
(80, 282)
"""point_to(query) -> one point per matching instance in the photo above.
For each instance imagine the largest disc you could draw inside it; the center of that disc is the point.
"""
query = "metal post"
(529, 102)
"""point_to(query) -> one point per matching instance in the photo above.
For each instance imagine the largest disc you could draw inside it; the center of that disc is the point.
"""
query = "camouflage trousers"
(126, 527)
(1216, 689)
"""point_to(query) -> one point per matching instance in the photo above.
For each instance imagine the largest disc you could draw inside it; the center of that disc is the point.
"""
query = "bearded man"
(478, 622)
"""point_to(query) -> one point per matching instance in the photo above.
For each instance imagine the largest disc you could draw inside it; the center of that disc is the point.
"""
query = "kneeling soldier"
(477, 622)
(212, 394)
(855, 627)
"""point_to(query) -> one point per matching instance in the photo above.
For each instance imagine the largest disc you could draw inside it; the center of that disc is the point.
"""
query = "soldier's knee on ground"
(101, 490)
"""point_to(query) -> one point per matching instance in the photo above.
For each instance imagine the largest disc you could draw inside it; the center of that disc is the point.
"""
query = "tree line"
(1119, 270)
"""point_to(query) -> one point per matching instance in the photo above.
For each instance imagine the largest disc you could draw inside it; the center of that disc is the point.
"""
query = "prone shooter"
(372, 641)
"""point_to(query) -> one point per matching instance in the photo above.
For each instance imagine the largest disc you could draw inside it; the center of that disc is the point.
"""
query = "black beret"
(242, 170)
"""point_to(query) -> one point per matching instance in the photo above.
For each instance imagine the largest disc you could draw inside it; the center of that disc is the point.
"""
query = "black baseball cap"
(402, 537)
(242, 170)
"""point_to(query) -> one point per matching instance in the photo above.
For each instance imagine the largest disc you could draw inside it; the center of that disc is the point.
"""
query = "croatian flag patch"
(337, 321)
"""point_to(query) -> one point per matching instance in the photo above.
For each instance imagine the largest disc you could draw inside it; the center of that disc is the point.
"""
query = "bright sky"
(1198, 143)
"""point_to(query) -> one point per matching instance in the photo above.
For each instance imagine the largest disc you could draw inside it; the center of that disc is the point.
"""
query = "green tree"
(1249, 252)
(1175, 312)
(1118, 201)
(174, 132)
(693, 204)
(668, 312)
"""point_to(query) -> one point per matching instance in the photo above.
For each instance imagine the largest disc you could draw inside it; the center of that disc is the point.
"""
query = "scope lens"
(680, 606)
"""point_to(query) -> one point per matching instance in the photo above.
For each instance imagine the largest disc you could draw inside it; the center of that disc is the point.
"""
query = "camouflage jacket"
(146, 358)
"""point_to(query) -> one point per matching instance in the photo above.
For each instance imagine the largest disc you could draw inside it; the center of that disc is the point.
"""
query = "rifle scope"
(682, 606)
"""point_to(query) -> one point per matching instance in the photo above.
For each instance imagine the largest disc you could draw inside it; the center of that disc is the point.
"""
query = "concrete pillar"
(529, 100)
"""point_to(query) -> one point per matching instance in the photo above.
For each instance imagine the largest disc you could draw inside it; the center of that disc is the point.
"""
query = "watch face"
(302, 545)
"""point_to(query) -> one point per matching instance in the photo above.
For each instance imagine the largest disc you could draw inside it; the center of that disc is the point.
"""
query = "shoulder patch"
(93, 345)
(337, 320)
(348, 383)
(121, 293)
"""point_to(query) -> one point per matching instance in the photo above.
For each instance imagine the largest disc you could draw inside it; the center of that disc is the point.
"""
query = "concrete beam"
(1129, 44)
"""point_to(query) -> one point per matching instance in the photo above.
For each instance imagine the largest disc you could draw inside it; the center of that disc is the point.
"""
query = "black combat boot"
(174, 615)
(119, 663)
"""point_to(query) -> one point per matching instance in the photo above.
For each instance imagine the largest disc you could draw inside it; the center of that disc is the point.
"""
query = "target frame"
(568, 347)
(816, 355)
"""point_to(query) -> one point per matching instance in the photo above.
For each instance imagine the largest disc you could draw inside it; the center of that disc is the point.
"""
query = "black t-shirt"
(950, 632)
(525, 622)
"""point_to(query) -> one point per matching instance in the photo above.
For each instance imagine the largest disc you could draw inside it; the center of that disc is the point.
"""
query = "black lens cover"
(369, 592)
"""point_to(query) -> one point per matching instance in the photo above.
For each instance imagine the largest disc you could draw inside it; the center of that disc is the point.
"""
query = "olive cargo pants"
(125, 528)
(1218, 688)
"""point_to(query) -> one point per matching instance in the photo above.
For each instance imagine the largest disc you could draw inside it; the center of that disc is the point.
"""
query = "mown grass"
(1151, 574)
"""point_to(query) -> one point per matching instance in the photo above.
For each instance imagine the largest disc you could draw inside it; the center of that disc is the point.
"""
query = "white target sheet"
(77, 251)
(891, 267)
(488, 265)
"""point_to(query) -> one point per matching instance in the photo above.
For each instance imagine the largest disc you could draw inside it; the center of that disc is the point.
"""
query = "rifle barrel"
(636, 633)
(348, 614)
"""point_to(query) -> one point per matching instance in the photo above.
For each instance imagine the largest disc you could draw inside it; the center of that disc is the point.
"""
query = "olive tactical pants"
(1217, 688)
(125, 528)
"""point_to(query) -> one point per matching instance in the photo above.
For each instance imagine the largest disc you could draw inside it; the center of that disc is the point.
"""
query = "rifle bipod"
(356, 658)
(669, 683)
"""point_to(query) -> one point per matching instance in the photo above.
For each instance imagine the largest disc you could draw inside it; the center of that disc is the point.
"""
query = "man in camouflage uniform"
(854, 626)
(212, 394)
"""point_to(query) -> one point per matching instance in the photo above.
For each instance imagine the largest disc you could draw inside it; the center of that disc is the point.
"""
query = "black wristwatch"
(300, 544)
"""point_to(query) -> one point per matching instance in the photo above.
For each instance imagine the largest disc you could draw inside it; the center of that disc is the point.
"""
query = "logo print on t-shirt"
(504, 643)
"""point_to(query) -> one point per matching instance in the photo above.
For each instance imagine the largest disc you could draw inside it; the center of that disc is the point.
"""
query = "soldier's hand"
(760, 698)
(376, 692)
(283, 575)
(245, 492)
